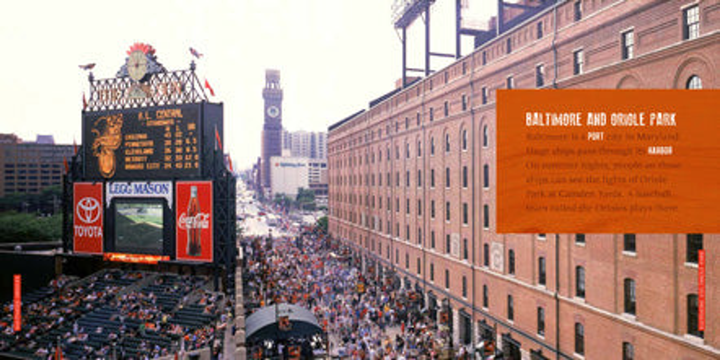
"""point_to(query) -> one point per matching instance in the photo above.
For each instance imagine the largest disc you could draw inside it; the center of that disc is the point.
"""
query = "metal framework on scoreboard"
(164, 88)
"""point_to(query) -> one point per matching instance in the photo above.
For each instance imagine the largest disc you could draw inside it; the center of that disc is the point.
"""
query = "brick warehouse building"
(412, 188)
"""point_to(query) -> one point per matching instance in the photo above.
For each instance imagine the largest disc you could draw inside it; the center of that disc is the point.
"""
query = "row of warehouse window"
(370, 222)
(370, 199)
(693, 82)
(370, 178)
(350, 162)
(694, 243)
(464, 102)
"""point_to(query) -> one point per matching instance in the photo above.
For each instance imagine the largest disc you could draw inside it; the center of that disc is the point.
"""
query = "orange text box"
(608, 161)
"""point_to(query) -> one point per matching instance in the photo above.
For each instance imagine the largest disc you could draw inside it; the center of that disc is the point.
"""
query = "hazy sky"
(334, 57)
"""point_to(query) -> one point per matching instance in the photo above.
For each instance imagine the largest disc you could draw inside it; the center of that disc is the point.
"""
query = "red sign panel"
(17, 302)
(701, 290)
(88, 218)
(193, 214)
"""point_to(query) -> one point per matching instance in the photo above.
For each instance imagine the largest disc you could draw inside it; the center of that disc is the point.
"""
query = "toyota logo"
(88, 210)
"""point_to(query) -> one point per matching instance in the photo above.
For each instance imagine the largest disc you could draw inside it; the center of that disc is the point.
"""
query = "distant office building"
(318, 180)
(317, 172)
(306, 144)
(272, 128)
(289, 174)
(30, 167)
(321, 145)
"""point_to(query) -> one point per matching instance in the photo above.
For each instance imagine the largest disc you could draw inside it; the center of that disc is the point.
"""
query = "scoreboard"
(151, 172)
(149, 143)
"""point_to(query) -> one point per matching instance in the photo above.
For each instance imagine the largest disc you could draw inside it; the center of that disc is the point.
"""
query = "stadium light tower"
(405, 12)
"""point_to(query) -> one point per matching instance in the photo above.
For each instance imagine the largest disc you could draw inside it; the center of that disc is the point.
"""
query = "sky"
(334, 57)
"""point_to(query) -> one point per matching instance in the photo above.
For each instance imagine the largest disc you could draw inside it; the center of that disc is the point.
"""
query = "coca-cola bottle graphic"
(193, 224)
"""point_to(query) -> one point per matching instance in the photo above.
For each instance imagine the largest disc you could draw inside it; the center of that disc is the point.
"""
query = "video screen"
(139, 226)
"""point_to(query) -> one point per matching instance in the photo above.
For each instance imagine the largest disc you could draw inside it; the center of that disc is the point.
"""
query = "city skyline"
(330, 67)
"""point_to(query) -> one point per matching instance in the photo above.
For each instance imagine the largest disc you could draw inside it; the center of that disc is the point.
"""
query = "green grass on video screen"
(139, 227)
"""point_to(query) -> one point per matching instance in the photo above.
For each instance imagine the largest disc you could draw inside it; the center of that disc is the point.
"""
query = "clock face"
(137, 65)
(273, 111)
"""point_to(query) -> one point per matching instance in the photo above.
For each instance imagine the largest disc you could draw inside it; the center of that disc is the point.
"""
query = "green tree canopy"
(49, 201)
(18, 227)
(306, 199)
(322, 224)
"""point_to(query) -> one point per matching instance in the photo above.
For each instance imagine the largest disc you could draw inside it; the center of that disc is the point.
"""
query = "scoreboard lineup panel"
(156, 142)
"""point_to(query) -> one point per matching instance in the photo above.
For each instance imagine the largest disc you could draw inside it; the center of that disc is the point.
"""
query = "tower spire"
(272, 127)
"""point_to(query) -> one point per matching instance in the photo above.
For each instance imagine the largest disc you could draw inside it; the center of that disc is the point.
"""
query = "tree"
(306, 199)
(18, 227)
(13, 201)
(49, 201)
(322, 224)
(283, 200)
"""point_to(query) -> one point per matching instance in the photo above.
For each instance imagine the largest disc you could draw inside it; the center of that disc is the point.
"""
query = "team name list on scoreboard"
(607, 161)
(161, 139)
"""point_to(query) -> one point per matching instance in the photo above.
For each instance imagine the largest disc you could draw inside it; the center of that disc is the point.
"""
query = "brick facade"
(389, 167)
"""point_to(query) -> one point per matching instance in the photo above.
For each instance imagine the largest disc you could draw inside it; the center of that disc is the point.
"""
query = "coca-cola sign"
(194, 221)
(199, 221)
(88, 218)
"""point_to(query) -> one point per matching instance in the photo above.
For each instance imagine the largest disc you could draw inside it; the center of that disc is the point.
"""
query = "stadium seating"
(133, 314)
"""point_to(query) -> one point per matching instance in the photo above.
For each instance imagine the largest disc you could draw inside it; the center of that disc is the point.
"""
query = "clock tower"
(272, 128)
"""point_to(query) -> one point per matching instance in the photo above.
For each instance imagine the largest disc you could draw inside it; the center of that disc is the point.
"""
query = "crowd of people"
(363, 317)
(125, 314)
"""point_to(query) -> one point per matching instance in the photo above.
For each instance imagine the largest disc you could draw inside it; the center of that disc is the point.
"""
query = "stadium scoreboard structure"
(150, 184)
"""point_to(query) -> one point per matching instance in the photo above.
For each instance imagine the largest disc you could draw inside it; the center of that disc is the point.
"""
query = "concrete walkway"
(229, 345)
